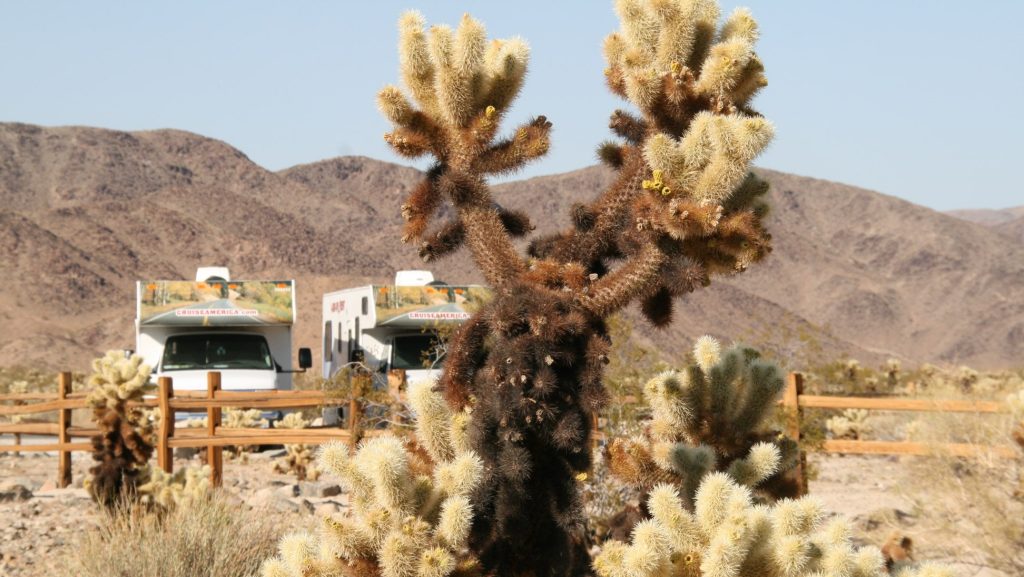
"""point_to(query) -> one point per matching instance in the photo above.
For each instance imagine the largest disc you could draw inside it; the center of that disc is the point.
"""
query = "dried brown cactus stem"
(587, 244)
(491, 245)
(637, 278)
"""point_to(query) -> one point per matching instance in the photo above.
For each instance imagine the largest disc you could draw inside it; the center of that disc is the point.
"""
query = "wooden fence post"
(214, 455)
(791, 402)
(164, 453)
(63, 422)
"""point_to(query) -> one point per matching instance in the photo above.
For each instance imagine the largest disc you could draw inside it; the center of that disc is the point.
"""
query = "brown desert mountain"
(1008, 222)
(85, 212)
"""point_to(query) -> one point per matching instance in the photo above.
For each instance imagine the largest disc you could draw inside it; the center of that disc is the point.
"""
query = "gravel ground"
(36, 531)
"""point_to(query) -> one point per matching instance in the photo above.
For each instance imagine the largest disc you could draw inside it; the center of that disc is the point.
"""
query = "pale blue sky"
(910, 98)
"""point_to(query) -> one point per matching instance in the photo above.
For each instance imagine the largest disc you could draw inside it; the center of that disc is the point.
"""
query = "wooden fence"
(215, 436)
(794, 401)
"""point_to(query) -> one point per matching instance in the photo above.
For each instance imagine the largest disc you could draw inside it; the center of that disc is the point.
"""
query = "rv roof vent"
(413, 278)
(205, 273)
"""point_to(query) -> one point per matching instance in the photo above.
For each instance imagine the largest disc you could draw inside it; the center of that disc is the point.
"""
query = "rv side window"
(339, 336)
(415, 352)
(366, 305)
(327, 341)
(356, 342)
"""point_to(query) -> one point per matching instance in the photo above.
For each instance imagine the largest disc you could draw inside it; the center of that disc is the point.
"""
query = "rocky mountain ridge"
(86, 211)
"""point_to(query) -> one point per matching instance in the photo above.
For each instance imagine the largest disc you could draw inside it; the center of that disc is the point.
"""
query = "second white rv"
(384, 328)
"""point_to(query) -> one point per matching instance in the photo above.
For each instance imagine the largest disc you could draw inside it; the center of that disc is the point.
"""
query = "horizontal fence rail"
(168, 436)
(214, 436)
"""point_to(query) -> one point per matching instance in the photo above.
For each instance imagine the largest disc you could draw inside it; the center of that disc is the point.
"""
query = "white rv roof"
(413, 278)
(205, 273)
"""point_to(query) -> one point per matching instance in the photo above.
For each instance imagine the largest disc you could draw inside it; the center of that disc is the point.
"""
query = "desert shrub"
(973, 505)
(124, 443)
(611, 505)
(207, 537)
(631, 362)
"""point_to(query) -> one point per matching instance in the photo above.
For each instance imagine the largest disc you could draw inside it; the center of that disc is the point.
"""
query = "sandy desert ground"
(38, 530)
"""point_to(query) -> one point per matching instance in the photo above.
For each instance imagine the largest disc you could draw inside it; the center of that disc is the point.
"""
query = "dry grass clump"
(208, 537)
(971, 505)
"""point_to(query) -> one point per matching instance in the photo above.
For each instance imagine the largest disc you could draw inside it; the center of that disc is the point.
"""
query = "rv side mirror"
(305, 358)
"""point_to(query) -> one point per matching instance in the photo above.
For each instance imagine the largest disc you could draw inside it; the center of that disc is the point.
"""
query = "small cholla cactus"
(242, 418)
(912, 430)
(851, 369)
(123, 446)
(236, 418)
(160, 489)
(17, 388)
(852, 424)
(727, 535)
(401, 524)
(298, 458)
(892, 371)
(966, 377)
(709, 417)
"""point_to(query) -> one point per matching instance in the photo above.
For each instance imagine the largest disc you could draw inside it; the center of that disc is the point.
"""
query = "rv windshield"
(223, 351)
(414, 352)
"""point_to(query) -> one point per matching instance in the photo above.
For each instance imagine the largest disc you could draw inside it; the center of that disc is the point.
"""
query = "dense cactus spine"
(529, 365)
(728, 535)
(709, 417)
(402, 523)
(124, 443)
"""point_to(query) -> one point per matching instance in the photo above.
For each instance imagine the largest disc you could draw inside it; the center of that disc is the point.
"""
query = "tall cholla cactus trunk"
(123, 446)
(682, 209)
(408, 518)
(727, 535)
(710, 417)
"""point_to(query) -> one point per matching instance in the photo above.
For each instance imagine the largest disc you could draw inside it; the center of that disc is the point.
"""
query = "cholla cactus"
(966, 377)
(892, 369)
(401, 524)
(708, 417)
(236, 418)
(298, 458)
(683, 208)
(122, 447)
(852, 424)
(851, 368)
(17, 388)
(163, 490)
(243, 418)
(727, 535)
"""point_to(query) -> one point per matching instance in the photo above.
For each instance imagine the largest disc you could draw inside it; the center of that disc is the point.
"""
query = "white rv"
(384, 328)
(241, 328)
